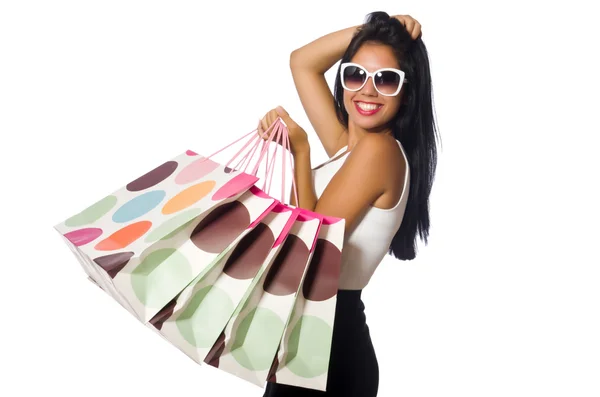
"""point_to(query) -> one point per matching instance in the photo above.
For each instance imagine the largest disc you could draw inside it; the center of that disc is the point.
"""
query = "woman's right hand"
(412, 25)
(297, 136)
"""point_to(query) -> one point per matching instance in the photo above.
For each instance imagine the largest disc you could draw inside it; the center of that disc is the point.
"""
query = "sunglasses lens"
(387, 82)
(354, 77)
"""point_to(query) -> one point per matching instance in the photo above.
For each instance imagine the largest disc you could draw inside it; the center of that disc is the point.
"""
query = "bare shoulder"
(379, 151)
(383, 165)
(373, 165)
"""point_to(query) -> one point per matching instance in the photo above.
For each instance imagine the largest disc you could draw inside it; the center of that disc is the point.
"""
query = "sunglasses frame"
(343, 67)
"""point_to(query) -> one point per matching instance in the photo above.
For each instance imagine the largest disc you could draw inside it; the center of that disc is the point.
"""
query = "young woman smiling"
(379, 131)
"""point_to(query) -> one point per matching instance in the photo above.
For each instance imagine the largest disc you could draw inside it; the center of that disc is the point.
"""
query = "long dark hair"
(414, 125)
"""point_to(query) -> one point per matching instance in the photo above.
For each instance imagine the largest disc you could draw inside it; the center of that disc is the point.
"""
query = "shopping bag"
(304, 353)
(145, 242)
(197, 316)
(252, 336)
(194, 320)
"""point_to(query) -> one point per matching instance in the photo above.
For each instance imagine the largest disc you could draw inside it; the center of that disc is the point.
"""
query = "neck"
(355, 133)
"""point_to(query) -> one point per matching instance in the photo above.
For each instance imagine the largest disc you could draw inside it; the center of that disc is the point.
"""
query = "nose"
(369, 88)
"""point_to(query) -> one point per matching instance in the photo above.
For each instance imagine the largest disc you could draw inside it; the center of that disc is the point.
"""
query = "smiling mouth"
(367, 109)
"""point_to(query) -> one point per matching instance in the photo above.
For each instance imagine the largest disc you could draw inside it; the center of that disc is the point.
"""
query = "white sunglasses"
(387, 81)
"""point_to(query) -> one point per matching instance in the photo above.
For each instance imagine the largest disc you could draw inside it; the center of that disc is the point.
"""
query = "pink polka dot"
(83, 236)
(191, 153)
(239, 183)
(196, 170)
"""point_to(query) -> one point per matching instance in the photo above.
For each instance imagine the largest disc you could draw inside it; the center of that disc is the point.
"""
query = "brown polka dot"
(153, 177)
(250, 253)
(287, 269)
(163, 315)
(221, 227)
(322, 277)
(114, 263)
(215, 352)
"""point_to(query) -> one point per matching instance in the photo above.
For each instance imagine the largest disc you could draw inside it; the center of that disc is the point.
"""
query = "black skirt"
(353, 367)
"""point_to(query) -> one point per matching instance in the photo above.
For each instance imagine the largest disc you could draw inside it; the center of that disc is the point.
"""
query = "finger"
(409, 24)
(403, 19)
(264, 127)
(416, 32)
(261, 131)
(270, 118)
(274, 116)
(412, 26)
(285, 116)
(266, 123)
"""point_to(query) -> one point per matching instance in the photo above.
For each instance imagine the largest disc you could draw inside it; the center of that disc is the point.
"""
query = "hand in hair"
(412, 25)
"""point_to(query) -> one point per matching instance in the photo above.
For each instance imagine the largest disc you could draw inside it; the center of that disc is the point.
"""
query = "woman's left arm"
(360, 181)
(304, 181)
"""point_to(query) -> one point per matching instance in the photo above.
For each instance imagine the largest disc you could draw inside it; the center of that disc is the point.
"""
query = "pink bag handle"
(278, 130)
(281, 129)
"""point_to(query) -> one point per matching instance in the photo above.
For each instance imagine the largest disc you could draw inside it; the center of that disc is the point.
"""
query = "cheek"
(392, 105)
(395, 105)
(347, 101)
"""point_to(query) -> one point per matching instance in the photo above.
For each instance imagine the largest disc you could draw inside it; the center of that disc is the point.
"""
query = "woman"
(378, 130)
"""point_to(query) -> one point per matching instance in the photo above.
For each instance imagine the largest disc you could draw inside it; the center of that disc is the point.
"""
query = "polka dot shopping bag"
(282, 329)
(229, 275)
(145, 242)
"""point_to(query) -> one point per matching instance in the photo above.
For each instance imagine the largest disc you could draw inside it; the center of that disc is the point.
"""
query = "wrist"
(302, 151)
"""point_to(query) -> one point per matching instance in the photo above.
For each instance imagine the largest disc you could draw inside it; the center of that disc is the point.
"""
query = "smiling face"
(367, 108)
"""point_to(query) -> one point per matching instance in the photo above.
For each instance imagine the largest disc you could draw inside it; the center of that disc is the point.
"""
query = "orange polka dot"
(125, 236)
(188, 197)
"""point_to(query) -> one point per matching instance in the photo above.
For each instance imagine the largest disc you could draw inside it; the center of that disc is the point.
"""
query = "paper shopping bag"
(303, 357)
(194, 319)
(163, 270)
(252, 336)
(146, 241)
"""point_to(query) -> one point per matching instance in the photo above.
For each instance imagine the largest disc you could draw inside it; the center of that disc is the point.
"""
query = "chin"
(373, 123)
(370, 125)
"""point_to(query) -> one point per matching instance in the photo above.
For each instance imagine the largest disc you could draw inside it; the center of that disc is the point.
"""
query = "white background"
(503, 301)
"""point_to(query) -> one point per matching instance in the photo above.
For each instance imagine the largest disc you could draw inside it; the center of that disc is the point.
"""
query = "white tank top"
(367, 243)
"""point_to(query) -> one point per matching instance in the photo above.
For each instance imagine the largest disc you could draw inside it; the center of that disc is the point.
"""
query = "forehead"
(375, 56)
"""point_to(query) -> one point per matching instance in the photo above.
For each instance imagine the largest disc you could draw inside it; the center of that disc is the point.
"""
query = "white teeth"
(367, 106)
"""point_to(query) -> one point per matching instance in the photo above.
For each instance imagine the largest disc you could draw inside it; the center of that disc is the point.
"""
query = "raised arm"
(309, 64)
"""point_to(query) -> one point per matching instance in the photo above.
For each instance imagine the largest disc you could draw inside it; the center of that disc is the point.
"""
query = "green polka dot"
(250, 292)
(247, 298)
(205, 316)
(309, 347)
(160, 276)
(257, 338)
(174, 225)
(92, 213)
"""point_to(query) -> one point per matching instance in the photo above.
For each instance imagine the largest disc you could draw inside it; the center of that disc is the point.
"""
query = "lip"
(367, 112)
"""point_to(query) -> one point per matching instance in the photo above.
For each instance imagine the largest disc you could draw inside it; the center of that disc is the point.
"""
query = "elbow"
(294, 59)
